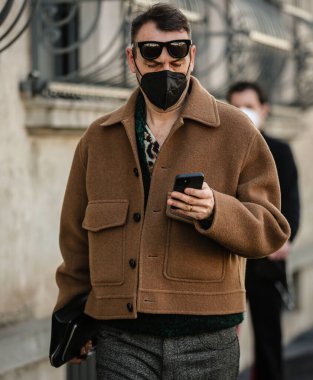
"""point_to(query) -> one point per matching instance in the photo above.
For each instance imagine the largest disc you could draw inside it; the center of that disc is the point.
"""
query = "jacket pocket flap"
(105, 214)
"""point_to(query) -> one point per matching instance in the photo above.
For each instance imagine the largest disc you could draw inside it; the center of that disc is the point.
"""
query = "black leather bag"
(70, 330)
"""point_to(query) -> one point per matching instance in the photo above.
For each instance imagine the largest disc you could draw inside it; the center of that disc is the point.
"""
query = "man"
(168, 284)
(266, 280)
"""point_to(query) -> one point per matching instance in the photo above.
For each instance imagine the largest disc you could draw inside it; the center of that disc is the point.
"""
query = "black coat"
(264, 270)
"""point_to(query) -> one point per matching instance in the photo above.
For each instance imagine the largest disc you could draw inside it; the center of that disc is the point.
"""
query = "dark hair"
(166, 17)
(242, 86)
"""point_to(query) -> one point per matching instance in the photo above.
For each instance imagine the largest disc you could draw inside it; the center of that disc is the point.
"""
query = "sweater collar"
(200, 106)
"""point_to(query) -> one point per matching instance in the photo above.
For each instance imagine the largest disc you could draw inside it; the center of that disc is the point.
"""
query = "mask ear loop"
(134, 55)
(189, 64)
(190, 85)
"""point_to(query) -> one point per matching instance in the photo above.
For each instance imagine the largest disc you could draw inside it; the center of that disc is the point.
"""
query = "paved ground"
(298, 359)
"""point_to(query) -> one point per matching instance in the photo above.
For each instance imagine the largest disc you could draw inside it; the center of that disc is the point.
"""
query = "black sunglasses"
(153, 49)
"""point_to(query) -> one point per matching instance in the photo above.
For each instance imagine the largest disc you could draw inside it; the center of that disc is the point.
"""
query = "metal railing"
(84, 41)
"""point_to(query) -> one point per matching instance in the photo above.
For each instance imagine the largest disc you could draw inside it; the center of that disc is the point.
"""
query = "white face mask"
(253, 116)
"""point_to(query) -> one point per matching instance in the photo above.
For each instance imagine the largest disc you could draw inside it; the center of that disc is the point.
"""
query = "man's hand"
(198, 204)
(83, 353)
(282, 253)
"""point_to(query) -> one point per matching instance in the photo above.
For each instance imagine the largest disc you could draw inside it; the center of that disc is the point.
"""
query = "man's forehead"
(248, 95)
(150, 32)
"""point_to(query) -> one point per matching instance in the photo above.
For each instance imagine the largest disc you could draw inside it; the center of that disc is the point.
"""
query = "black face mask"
(163, 88)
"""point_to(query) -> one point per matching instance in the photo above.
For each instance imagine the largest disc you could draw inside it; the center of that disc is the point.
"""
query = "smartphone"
(193, 180)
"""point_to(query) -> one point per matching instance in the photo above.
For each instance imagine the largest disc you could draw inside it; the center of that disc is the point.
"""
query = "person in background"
(266, 280)
(167, 283)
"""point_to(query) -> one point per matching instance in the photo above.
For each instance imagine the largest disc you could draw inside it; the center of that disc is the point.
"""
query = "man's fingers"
(204, 193)
(75, 361)
(184, 206)
(86, 348)
(194, 213)
(83, 353)
(183, 198)
(195, 203)
(190, 199)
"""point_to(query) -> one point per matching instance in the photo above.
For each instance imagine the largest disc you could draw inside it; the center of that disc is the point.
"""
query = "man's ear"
(130, 59)
(265, 108)
(192, 57)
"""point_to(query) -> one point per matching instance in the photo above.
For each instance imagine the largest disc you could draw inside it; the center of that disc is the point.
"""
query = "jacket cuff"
(206, 223)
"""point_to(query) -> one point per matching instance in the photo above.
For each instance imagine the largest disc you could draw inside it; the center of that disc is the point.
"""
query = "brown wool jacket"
(135, 260)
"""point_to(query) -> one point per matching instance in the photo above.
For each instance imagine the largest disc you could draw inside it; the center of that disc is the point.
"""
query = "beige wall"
(32, 178)
(37, 142)
(15, 185)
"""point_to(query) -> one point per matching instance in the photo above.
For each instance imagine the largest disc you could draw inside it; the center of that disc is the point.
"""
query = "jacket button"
(137, 217)
(136, 172)
(130, 307)
(132, 263)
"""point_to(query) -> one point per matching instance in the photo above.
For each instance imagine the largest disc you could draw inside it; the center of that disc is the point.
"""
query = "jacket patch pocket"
(105, 222)
(191, 256)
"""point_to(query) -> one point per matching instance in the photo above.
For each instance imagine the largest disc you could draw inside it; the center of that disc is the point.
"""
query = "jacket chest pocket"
(105, 223)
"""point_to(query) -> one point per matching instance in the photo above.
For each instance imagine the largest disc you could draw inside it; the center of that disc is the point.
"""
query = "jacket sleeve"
(250, 223)
(72, 276)
(290, 200)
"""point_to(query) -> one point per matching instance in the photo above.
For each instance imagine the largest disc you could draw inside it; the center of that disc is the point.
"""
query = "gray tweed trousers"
(123, 355)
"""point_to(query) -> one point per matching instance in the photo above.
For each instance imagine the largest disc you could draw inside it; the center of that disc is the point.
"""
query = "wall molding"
(50, 116)
(23, 344)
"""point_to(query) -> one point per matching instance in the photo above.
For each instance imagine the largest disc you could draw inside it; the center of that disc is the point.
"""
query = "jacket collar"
(200, 106)
(123, 113)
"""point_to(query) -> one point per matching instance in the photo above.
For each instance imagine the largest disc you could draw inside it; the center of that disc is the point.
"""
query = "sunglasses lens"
(178, 49)
(150, 50)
